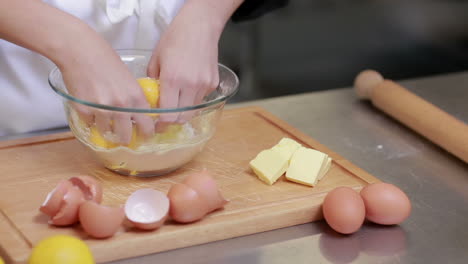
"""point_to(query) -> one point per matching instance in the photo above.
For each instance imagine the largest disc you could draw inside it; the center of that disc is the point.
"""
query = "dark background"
(313, 45)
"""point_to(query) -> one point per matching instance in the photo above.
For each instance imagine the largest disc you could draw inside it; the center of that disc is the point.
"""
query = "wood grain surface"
(32, 167)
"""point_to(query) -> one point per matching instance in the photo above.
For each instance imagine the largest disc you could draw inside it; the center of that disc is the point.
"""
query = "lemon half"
(61, 249)
(150, 88)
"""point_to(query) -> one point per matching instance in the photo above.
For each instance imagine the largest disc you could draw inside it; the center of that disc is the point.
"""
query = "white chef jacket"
(27, 101)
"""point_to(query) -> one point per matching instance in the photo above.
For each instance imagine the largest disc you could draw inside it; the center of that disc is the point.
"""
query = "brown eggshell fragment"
(68, 213)
(100, 221)
(53, 201)
(147, 208)
(91, 187)
(385, 203)
(343, 209)
(186, 204)
(207, 188)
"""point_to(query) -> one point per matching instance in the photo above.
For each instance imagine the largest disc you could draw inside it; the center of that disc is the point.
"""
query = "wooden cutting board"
(32, 167)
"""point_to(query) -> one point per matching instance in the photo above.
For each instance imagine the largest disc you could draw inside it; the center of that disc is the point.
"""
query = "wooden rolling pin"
(423, 117)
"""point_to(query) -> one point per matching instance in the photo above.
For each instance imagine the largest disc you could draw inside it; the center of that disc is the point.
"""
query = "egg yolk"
(99, 140)
(135, 141)
(171, 133)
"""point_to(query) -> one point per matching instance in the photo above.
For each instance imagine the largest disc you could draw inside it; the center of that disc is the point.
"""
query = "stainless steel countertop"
(435, 181)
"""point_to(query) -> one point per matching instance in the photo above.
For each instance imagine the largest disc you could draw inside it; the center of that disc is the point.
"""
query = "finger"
(153, 66)
(123, 127)
(215, 82)
(169, 98)
(209, 87)
(187, 98)
(85, 114)
(103, 121)
(161, 126)
(144, 124)
(200, 96)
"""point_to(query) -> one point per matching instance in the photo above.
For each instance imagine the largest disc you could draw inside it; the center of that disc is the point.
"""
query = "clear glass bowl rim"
(220, 99)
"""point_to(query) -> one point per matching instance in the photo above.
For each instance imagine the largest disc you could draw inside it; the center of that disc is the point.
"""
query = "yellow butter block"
(269, 165)
(325, 168)
(302, 165)
(286, 147)
(305, 166)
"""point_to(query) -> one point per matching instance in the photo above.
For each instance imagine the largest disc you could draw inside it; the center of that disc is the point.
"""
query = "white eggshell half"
(147, 208)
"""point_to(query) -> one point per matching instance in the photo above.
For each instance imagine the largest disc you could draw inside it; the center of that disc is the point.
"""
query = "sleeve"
(252, 9)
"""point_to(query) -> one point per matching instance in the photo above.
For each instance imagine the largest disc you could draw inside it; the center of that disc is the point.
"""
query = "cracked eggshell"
(186, 204)
(100, 221)
(91, 187)
(53, 201)
(207, 189)
(68, 213)
(147, 208)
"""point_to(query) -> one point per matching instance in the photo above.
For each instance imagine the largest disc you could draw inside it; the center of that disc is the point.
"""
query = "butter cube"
(302, 165)
(305, 166)
(286, 147)
(325, 168)
(269, 165)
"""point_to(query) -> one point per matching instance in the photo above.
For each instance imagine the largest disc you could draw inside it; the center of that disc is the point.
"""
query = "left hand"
(186, 59)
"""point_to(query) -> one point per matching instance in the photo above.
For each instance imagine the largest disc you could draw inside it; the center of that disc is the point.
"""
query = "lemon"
(61, 249)
(150, 88)
(1, 261)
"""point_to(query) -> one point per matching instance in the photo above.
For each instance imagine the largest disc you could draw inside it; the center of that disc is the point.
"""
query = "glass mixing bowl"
(171, 146)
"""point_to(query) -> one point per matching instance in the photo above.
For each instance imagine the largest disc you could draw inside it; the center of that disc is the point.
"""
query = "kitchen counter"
(435, 181)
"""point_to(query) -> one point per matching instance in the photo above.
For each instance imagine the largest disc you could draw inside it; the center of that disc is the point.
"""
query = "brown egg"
(100, 221)
(53, 201)
(147, 208)
(344, 210)
(91, 188)
(385, 203)
(68, 213)
(206, 187)
(186, 204)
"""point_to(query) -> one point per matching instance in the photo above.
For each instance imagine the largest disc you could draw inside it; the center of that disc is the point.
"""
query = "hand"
(98, 75)
(92, 71)
(186, 59)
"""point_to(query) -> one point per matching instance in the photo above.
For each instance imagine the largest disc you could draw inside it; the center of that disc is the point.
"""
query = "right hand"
(99, 76)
